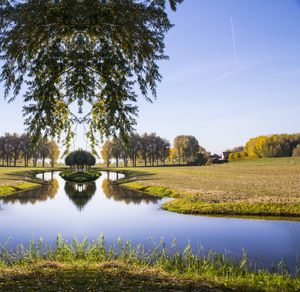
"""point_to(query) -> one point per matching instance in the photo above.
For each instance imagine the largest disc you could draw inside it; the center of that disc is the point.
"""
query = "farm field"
(249, 187)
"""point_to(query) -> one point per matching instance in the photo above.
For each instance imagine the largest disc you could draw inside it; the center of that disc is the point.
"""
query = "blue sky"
(220, 94)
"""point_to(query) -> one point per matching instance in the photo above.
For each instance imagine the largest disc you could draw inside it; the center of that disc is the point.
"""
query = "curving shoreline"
(20, 179)
(205, 202)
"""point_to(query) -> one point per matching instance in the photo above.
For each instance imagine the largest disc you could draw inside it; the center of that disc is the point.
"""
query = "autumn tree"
(279, 145)
(53, 152)
(178, 146)
(173, 155)
(106, 152)
(255, 145)
(187, 147)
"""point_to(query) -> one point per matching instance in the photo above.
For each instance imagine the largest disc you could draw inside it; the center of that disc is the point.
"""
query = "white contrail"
(233, 41)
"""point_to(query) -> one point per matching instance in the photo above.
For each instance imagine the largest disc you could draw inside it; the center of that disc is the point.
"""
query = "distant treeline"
(282, 145)
(16, 149)
(151, 150)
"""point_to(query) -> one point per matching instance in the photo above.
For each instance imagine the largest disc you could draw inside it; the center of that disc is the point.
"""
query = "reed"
(197, 267)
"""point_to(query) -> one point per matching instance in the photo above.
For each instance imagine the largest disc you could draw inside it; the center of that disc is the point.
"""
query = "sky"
(233, 73)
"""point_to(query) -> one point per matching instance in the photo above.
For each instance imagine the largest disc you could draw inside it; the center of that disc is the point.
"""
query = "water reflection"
(113, 176)
(117, 193)
(40, 194)
(80, 193)
(121, 213)
(46, 175)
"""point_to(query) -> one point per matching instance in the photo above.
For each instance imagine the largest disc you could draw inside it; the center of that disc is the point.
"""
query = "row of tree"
(152, 150)
(281, 145)
(16, 149)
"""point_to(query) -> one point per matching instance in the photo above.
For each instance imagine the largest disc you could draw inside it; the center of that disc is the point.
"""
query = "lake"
(87, 210)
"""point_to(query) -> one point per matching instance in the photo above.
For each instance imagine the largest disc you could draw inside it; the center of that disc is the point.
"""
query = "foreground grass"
(91, 266)
(105, 276)
(264, 187)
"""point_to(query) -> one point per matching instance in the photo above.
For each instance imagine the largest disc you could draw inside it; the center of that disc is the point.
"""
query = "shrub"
(231, 157)
(237, 155)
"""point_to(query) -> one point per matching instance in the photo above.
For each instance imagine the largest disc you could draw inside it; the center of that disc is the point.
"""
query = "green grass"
(92, 266)
(80, 177)
(7, 190)
(16, 179)
(232, 209)
(151, 190)
(262, 187)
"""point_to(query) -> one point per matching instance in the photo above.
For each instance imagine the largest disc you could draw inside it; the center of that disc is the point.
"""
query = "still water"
(87, 210)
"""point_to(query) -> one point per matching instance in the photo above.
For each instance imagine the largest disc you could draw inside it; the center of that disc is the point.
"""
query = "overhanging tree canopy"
(86, 51)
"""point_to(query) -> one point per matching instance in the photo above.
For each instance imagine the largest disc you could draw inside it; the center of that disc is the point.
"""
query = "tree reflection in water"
(40, 194)
(115, 192)
(80, 193)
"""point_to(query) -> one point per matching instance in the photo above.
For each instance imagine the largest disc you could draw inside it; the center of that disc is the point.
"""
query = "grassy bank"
(264, 187)
(16, 179)
(93, 266)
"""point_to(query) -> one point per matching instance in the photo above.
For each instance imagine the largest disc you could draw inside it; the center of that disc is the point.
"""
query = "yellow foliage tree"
(173, 155)
(255, 146)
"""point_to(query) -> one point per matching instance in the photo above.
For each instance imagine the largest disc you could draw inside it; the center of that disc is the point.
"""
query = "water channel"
(87, 210)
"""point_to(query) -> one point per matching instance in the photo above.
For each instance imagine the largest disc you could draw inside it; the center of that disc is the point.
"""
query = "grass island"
(80, 177)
